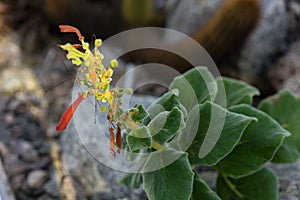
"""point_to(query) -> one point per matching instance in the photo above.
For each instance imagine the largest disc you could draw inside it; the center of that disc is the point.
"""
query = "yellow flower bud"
(114, 63)
(98, 42)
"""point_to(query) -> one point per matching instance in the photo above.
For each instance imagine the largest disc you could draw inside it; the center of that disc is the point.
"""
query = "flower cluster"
(96, 77)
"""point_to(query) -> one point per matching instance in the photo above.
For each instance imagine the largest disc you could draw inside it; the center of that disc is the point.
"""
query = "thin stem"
(232, 187)
(156, 146)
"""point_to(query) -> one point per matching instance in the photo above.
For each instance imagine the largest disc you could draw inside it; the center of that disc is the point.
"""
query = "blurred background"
(257, 41)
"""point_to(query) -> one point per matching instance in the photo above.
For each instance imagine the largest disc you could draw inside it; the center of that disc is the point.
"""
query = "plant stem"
(232, 187)
(156, 146)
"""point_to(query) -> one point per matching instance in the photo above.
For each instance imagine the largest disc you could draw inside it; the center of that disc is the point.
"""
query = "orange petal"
(70, 29)
(66, 117)
(93, 76)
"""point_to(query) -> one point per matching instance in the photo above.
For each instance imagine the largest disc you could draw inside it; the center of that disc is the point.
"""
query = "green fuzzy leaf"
(131, 180)
(139, 139)
(174, 181)
(213, 136)
(261, 185)
(195, 87)
(127, 153)
(130, 155)
(138, 113)
(202, 191)
(168, 101)
(237, 92)
(165, 125)
(286, 111)
(165, 103)
(257, 146)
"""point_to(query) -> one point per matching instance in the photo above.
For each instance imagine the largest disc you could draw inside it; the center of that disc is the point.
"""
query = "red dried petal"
(119, 139)
(77, 46)
(66, 117)
(112, 142)
(71, 29)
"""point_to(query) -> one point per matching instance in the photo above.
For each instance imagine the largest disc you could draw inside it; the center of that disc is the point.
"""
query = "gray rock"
(293, 7)
(51, 187)
(290, 190)
(189, 15)
(266, 42)
(210, 177)
(14, 79)
(42, 163)
(3, 150)
(10, 52)
(51, 133)
(17, 182)
(46, 197)
(5, 190)
(289, 180)
(94, 178)
(285, 73)
(14, 166)
(36, 179)
(27, 152)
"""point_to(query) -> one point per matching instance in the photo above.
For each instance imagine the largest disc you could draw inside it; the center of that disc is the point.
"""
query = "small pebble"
(16, 182)
(27, 152)
(9, 118)
(51, 187)
(36, 179)
(51, 131)
(43, 162)
(14, 166)
(3, 150)
(44, 197)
